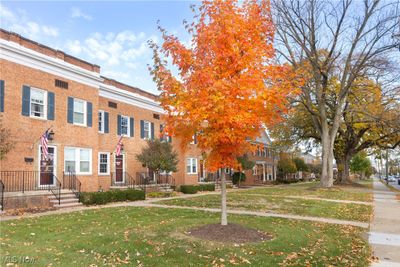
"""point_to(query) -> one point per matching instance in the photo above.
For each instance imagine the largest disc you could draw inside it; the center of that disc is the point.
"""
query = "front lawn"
(258, 202)
(156, 237)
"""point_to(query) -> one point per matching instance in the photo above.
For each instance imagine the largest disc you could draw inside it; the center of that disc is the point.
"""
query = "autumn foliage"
(227, 85)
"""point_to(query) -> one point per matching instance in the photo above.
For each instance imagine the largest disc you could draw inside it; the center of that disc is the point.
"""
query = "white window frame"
(148, 123)
(101, 130)
(44, 92)
(77, 160)
(191, 162)
(108, 163)
(128, 128)
(84, 112)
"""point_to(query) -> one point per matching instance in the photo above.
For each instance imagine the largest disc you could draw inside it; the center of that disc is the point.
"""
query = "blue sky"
(108, 33)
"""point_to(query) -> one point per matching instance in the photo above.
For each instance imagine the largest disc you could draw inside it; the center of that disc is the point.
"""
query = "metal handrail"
(71, 182)
(21, 181)
(2, 187)
(56, 190)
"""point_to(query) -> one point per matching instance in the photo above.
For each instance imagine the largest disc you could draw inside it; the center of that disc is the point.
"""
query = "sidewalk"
(384, 235)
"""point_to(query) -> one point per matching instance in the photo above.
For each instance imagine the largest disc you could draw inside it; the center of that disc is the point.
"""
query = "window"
(78, 160)
(101, 121)
(193, 142)
(79, 116)
(255, 170)
(104, 163)
(38, 103)
(191, 166)
(125, 126)
(147, 130)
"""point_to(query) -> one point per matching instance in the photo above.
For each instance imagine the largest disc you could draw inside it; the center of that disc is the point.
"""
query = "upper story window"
(79, 112)
(101, 121)
(38, 103)
(146, 130)
(125, 125)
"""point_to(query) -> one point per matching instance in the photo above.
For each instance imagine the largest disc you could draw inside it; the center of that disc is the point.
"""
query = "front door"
(47, 167)
(119, 168)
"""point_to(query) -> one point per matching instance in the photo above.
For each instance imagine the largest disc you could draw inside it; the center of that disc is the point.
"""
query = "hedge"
(193, 189)
(189, 189)
(98, 198)
(206, 187)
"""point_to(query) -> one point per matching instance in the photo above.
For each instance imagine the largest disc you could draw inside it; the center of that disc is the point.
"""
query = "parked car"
(391, 178)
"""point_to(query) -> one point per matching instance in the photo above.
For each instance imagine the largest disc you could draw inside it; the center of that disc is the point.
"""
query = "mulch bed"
(231, 233)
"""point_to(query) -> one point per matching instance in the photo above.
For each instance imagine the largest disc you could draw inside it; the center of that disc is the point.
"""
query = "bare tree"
(341, 38)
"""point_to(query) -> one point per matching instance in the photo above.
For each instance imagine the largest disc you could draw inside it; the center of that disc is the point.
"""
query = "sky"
(111, 34)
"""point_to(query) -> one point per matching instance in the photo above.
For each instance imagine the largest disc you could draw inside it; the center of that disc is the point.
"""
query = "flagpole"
(37, 139)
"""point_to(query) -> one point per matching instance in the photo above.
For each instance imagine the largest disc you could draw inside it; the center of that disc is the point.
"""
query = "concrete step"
(65, 195)
(68, 205)
(65, 200)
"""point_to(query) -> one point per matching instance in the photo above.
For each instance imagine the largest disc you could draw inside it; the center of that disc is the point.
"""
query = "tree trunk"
(224, 216)
(344, 171)
(327, 161)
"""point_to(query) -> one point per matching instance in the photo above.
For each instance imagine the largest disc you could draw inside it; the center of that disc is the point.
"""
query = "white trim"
(191, 165)
(54, 162)
(150, 130)
(108, 164)
(84, 112)
(114, 93)
(14, 52)
(78, 160)
(44, 103)
(128, 134)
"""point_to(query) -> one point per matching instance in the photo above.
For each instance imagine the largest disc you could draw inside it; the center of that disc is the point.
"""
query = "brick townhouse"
(44, 88)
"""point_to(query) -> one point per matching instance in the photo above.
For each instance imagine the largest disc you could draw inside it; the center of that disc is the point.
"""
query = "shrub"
(189, 189)
(206, 187)
(160, 194)
(236, 176)
(98, 198)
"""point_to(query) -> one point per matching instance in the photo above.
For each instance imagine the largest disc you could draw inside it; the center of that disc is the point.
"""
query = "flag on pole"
(119, 147)
(44, 140)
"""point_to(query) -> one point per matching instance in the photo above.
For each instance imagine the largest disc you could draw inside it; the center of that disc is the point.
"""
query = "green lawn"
(359, 193)
(156, 237)
(278, 204)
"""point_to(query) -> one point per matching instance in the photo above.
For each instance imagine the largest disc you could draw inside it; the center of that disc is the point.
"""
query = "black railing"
(2, 195)
(21, 181)
(122, 179)
(56, 190)
(71, 182)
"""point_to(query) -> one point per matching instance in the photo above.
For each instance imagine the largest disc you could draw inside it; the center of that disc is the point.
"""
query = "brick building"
(42, 88)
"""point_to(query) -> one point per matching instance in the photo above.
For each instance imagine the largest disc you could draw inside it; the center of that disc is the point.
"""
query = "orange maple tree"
(227, 85)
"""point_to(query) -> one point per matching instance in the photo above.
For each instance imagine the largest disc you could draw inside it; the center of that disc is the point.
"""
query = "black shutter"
(119, 124)
(152, 131)
(131, 126)
(161, 132)
(106, 128)
(50, 106)
(89, 114)
(195, 138)
(1, 96)
(70, 115)
(26, 99)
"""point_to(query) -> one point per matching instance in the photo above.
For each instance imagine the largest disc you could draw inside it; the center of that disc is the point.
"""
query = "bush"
(161, 194)
(98, 198)
(206, 187)
(236, 176)
(189, 189)
(287, 181)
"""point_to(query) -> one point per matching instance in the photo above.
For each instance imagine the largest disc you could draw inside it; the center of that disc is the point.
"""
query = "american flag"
(119, 147)
(44, 140)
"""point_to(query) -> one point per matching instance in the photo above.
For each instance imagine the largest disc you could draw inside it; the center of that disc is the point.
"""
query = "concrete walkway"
(384, 235)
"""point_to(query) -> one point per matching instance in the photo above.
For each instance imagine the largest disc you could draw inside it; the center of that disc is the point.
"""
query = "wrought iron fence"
(71, 182)
(1, 195)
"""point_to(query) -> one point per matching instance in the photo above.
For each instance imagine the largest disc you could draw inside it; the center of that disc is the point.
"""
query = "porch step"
(65, 200)
(67, 205)
(63, 195)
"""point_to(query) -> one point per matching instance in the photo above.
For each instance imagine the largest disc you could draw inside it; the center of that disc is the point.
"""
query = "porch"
(142, 180)
(38, 188)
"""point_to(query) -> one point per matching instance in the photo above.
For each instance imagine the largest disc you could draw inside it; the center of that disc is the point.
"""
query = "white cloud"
(77, 13)
(20, 23)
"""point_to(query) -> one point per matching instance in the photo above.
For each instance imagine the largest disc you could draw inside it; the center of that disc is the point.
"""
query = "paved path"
(384, 235)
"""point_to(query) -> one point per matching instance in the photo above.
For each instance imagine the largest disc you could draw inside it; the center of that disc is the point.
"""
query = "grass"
(278, 204)
(132, 236)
